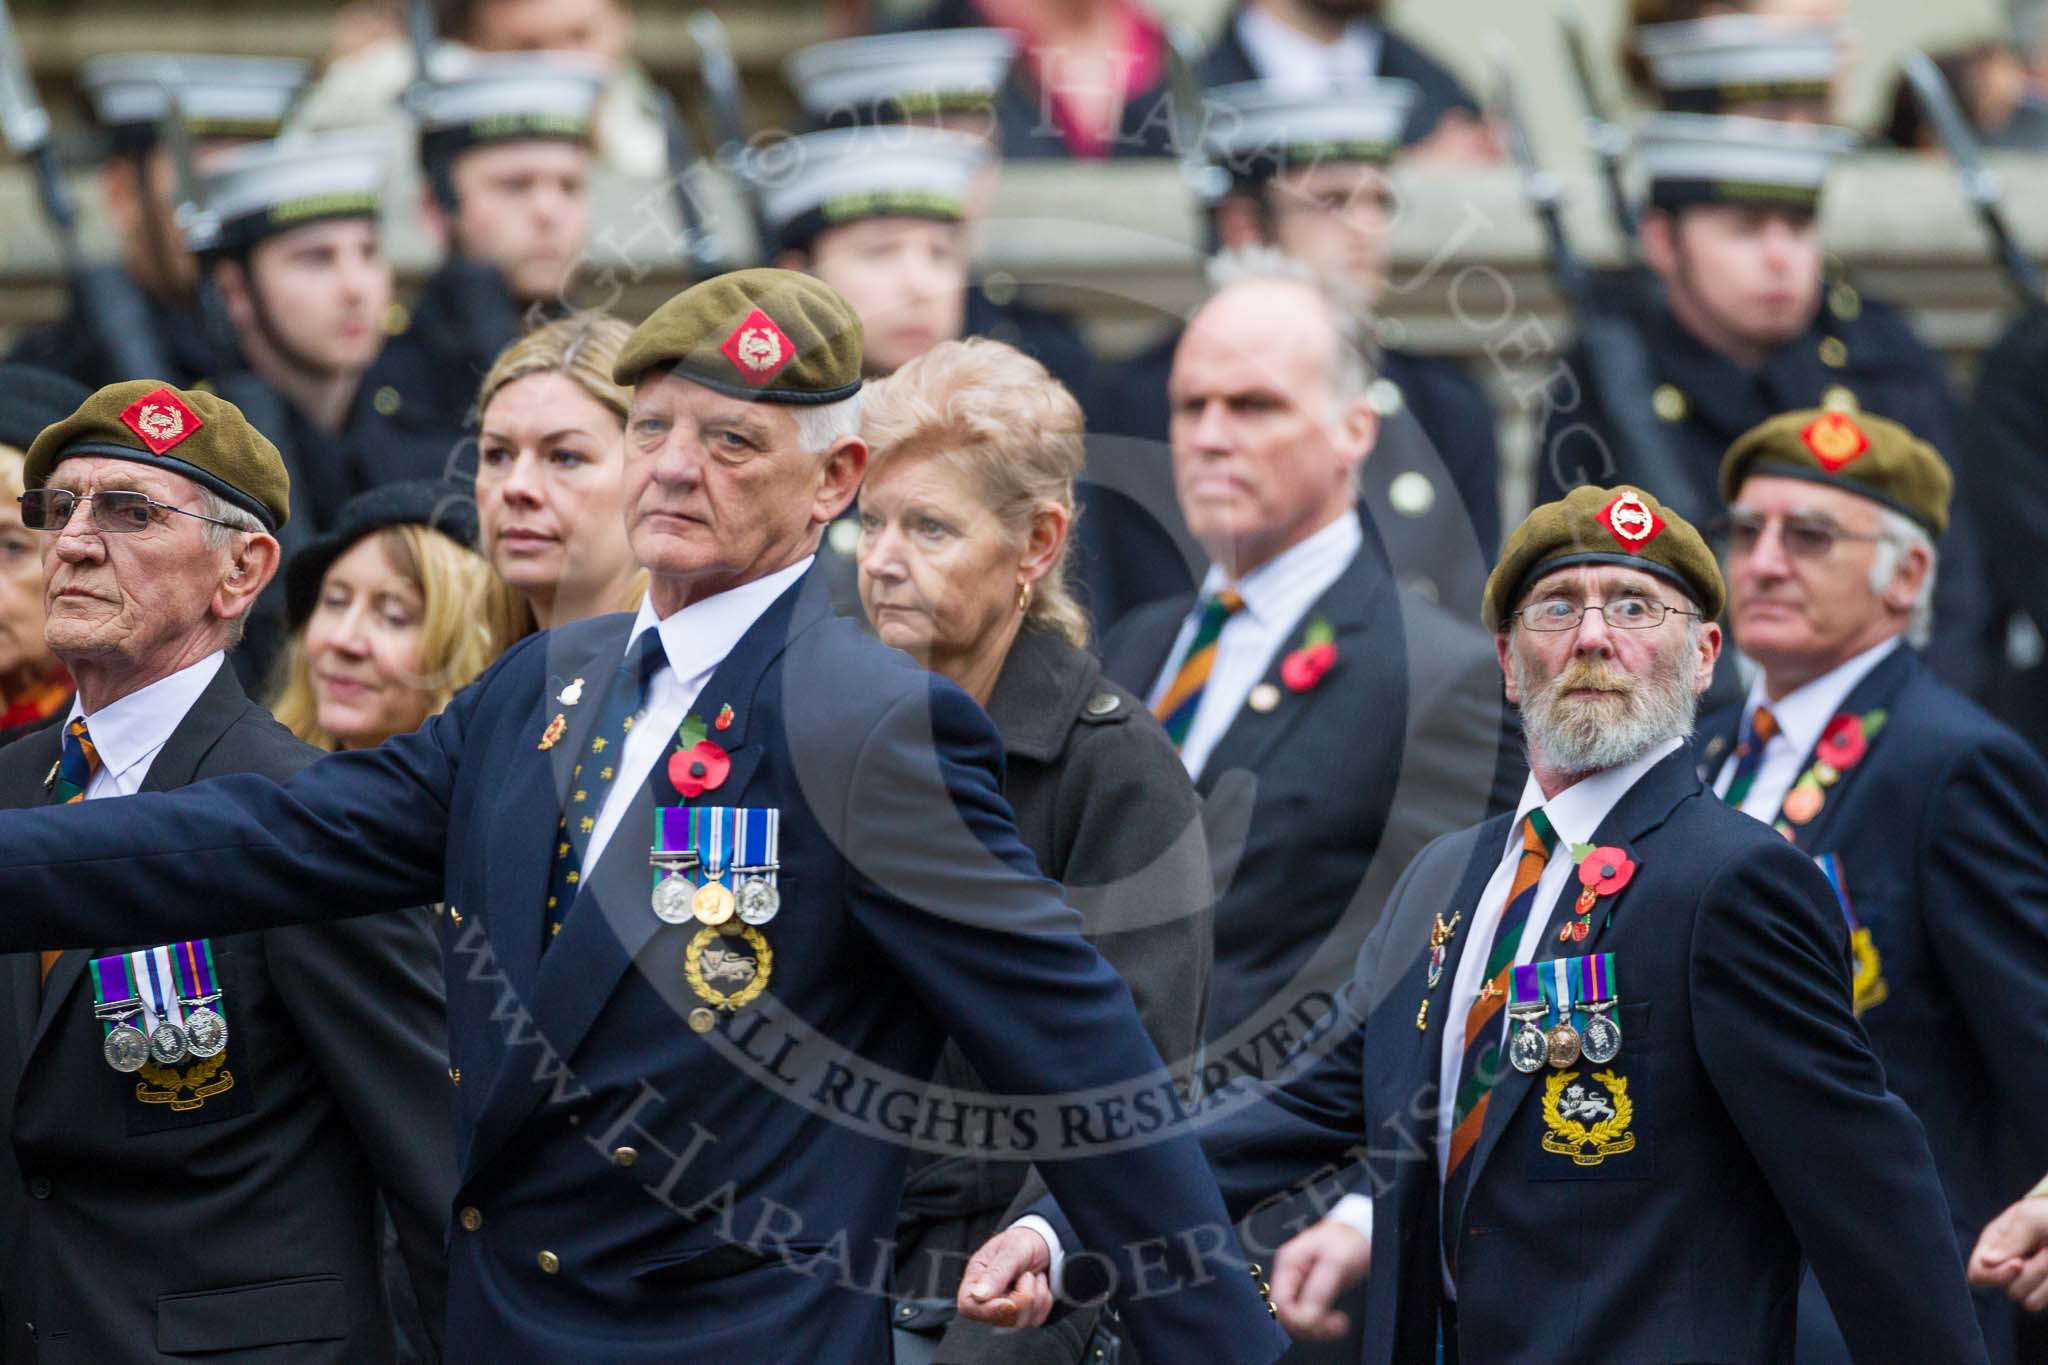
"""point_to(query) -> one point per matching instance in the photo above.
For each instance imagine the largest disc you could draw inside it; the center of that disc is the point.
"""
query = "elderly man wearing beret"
(1929, 817)
(719, 877)
(1601, 1064)
(197, 1130)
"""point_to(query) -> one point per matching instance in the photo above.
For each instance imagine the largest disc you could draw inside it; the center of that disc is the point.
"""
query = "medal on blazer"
(160, 1008)
(674, 859)
(711, 829)
(1439, 939)
(1600, 1040)
(206, 1031)
(1528, 1048)
(125, 1047)
(1561, 1039)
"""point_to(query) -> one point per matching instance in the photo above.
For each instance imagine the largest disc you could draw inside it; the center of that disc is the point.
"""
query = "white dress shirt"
(1802, 714)
(1574, 813)
(131, 732)
(1302, 65)
(1277, 597)
(696, 641)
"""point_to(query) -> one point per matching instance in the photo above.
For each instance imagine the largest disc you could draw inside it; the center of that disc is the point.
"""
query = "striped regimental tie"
(75, 766)
(1485, 1037)
(1749, 755)
(1177, 706)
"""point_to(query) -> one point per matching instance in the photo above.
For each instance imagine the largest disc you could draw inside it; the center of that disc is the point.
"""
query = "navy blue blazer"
(1940, 835)
(1761, 1121)
(631, 1190)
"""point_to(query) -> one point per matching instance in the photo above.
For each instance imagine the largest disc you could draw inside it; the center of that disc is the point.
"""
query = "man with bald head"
(1332, 722)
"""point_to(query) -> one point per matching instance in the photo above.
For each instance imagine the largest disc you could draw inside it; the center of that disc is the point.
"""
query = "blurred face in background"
(1744, 280)
(1334, 217)
(315, 295)
(524, 207)
(24, 658)
(596, 28)
(363, 646)
(906, 277)
(550, 460)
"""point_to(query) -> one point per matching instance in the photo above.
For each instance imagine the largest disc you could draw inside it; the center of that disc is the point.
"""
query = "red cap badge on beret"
(758, 348)
(1834, 440)
(161, 419)
(1630, 521)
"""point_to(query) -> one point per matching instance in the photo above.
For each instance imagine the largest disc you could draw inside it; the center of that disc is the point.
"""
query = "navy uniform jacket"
(245, 1226)
(1860, 351)
(1941, 834)
(1313, 807)
(1761, 1121)
(1229, 62)
(632, 1190)
(2005, 444)
(1431, 485)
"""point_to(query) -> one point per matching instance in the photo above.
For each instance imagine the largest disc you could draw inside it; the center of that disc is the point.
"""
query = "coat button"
(624, 1156)
(471, 1218)
(550, 1263)
(1103, 704)
(39, 1188)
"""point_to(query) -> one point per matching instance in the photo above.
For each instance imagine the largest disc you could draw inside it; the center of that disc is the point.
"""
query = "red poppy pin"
(1843, 744)
(1604, 870)
(698, 765)
(724, 721)
(1314, 657)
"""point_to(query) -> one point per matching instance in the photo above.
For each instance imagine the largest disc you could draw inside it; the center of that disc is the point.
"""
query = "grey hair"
(1354, 354)
(820, 427)
(1898, 535)
(239, 522)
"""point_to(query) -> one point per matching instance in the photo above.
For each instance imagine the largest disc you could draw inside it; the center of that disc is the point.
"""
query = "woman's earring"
(1023, 597)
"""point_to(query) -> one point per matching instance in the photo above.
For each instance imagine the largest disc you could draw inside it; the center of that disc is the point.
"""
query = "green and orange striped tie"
(1486, 1044)
(1177, 705)
(76, 765)
(1749, 755)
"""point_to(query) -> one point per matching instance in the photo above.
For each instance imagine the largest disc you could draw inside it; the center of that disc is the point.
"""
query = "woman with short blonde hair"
(551, 453)
(973, 450)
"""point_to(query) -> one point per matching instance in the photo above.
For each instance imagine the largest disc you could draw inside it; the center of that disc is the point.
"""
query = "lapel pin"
(571, 694)
(1264, 698)
(553, 734)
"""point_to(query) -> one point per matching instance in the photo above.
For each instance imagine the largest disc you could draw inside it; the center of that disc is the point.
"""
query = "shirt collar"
(697, 638)
(1295, 62)
(131, 730)
(1577, 812)
(1804, 712)
(1265, 589)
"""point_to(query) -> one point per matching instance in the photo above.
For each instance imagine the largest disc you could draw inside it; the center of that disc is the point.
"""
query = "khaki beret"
(768, 336)
(1620, 526)
(1863, 454)
(201, 436)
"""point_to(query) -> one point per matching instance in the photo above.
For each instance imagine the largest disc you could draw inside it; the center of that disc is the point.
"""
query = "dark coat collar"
(1043, 685)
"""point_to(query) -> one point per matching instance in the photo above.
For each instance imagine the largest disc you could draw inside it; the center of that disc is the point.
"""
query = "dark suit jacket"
(632, 1190)
(2005, 445)
(136, 1232)
(1229, 61)
(1884, 368)
(1762, 1125)
(1106, 809)
(1313, 807)
(1941, 833)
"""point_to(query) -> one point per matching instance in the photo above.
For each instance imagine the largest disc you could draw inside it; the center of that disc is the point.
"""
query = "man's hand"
(2013, 1254)
(1311, 1270)
(1009, 1281)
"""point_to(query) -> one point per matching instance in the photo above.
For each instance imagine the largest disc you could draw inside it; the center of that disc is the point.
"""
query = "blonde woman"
(391, 613)
(551, 452)
(973, 449)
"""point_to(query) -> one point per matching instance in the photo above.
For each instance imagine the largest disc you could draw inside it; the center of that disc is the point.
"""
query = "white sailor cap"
(218, 96)
(841, 175)
(1727, 159)
(516, 97)
(264, 188)
(1255, 129)
(1722, 63)
(891, 77)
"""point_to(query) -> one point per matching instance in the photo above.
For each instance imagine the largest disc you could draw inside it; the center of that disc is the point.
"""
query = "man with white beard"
(1615, 1127)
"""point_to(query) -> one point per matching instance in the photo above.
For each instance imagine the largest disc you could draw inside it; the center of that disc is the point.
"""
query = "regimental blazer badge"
(186, 1088)
(1588, 1119)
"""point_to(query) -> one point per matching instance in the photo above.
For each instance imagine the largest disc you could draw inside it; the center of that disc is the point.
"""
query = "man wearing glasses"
(1598, 1058)
(196, 1137)
(1929, 818)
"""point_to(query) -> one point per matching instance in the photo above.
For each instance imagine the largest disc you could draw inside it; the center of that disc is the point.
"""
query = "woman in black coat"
(964, 515)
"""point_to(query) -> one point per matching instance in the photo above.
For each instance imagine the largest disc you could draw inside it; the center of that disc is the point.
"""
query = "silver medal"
(206, 1033)
(672, 900)
(1600, 1043)
(1529, 1049)
(168, 1044)
(758, 900)
(125, 1049)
